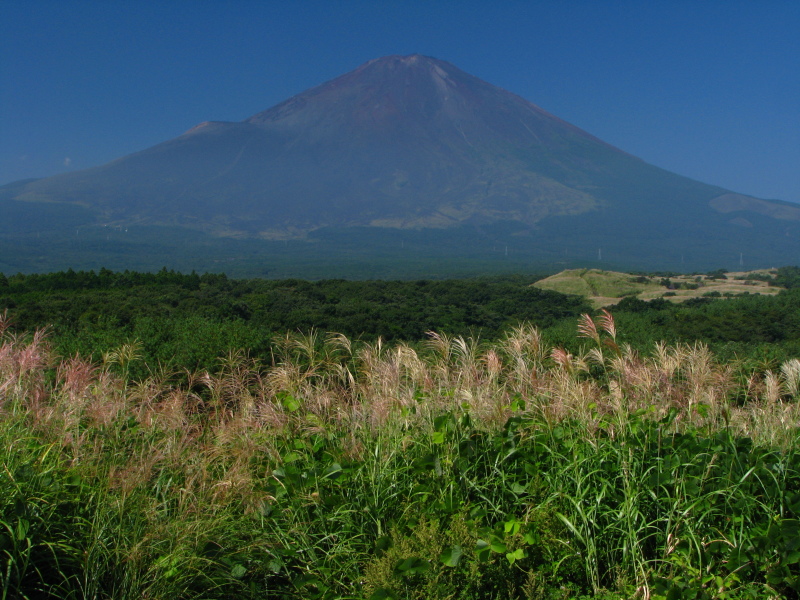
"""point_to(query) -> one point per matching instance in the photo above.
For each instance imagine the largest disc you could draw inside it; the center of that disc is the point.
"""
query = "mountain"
(411, 147)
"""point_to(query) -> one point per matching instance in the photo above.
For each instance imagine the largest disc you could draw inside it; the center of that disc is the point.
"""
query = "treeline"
(189, 320)
(764, 328)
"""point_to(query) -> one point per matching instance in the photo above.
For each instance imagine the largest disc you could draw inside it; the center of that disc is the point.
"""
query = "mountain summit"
(409, 143)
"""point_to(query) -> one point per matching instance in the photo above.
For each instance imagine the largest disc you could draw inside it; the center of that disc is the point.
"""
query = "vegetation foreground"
(366, 470)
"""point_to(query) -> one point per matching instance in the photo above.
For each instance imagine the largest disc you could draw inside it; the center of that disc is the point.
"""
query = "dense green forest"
(190, 320)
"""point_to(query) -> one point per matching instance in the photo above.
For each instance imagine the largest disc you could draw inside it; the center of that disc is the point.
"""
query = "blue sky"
(708, 89)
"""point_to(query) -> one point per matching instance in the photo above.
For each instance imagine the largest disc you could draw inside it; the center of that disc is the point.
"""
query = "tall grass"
(356, 470)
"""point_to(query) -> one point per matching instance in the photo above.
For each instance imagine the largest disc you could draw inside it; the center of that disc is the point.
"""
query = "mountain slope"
(409, 143)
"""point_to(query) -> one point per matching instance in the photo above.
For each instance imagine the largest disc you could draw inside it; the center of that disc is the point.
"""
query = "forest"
(188, 321)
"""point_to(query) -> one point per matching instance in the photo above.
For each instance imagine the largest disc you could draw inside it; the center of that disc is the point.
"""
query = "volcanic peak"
(408, 142)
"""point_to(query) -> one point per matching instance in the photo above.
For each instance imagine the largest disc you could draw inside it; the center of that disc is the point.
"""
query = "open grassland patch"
(606, 288)
(366, 470)
(593, 283)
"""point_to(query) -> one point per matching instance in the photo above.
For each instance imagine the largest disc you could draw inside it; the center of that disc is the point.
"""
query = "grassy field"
(362, 470)
(606, 288)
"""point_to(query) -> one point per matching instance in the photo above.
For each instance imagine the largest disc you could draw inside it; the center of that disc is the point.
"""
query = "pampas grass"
(168, 465)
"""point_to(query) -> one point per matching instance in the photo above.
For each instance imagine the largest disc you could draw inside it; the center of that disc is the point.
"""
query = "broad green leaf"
(451, 556)
(518, 489)
(530, 538)
(290, 403)
(292, 456)
(238, 571)
(382, 544)
(792, 558)
(483, 551)
(333, 472)
(512, 526)
(170, 563)
(442, 422)
(23, 525)
(477, 513)
(412, 566)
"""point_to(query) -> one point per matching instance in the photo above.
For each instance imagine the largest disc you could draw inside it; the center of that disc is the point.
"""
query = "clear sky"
(706, 88)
